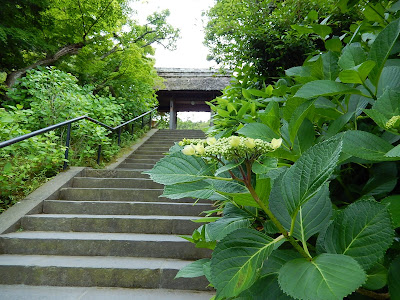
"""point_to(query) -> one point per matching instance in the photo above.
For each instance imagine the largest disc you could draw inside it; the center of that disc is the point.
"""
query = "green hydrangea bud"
(392, 122)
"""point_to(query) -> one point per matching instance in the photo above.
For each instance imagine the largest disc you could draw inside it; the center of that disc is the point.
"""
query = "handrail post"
(67, 146)
(119, 136)
(98, 154)
(150, 120)
(142, 122)
(133, 128)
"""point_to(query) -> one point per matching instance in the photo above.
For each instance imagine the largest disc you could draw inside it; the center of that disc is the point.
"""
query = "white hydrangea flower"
(189, 150)
(276, 143)
(199, 149)
(211, 140)
(234, 141)
(250, 143)
(230, 148)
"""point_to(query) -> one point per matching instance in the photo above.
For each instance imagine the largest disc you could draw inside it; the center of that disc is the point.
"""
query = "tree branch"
(372, 294)
(97, 19)
(143, 35)
(63, 51)
(114, 49)
(83, 20)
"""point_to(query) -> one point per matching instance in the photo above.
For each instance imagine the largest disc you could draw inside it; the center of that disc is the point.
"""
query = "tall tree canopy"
(259, 32)
(45, 32)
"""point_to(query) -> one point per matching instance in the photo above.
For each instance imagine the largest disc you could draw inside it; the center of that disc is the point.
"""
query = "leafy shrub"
(23, 163)
(45, 97)
(318, 217)
(54, 96)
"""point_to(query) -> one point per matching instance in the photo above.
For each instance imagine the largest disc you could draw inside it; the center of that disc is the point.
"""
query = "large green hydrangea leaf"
(236, 260)
(312, 217)
(327, 276)
(179, 168)
(307, 176)
(363, 231)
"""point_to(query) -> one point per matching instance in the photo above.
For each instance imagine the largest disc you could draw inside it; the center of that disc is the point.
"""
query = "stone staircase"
(109, 229)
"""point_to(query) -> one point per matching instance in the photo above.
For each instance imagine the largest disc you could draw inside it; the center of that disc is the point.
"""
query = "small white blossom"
(234, 141)
(189, 150)
(230, 148)
(199, 149)
(211, 140)
(250, 143)
(276, 143)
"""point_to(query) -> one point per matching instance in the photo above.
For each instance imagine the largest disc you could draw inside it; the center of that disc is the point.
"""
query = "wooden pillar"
(173, 117)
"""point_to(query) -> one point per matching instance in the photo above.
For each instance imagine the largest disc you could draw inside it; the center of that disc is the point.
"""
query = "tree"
(48, 31)
(259, 33)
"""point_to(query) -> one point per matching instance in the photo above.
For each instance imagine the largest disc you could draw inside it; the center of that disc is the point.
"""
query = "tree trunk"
(63, 51)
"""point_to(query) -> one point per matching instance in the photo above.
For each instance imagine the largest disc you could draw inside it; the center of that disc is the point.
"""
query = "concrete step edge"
(25, 292)
(92, 236)
(189, 204)
(114, 217)
(96, 271)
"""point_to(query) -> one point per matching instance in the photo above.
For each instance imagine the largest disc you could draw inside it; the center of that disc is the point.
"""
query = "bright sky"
(190, 52)
(185, 15)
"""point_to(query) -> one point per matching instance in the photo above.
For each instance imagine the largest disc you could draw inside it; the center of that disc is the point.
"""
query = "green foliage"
(28, 161)
(100, 67)
(46, 97)
(188, 124)
(316, 217)
(262, 34)
(53, 96)
(329, 276)
(236, 258)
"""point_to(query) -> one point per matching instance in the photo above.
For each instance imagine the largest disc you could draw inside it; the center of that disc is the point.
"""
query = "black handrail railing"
(69, 122)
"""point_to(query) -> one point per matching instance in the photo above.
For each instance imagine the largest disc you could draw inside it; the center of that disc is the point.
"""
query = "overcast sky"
(185, 15)
(190, 52)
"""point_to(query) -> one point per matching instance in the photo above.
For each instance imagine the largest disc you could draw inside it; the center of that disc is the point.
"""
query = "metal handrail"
(69, 122)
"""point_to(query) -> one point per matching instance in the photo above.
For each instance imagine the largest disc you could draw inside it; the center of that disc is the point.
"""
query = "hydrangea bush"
(303, 174)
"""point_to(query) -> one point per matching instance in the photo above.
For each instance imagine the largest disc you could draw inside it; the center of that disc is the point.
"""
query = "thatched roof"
(193, 80)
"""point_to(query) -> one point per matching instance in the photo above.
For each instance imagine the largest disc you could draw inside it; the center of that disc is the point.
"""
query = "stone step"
(100, 244)
(179, 132)
(166, 141)
(115, 173)
(100, 271)
(141, 160)
(112, 194)
(93, 182)
(115, 194)
(160, 143)
(124, 208)
(110, 223)
(136, 166)
(134, 155)
(179, 135)
(164, 132)
(154, 148)
(26, 292)
(152, 152)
